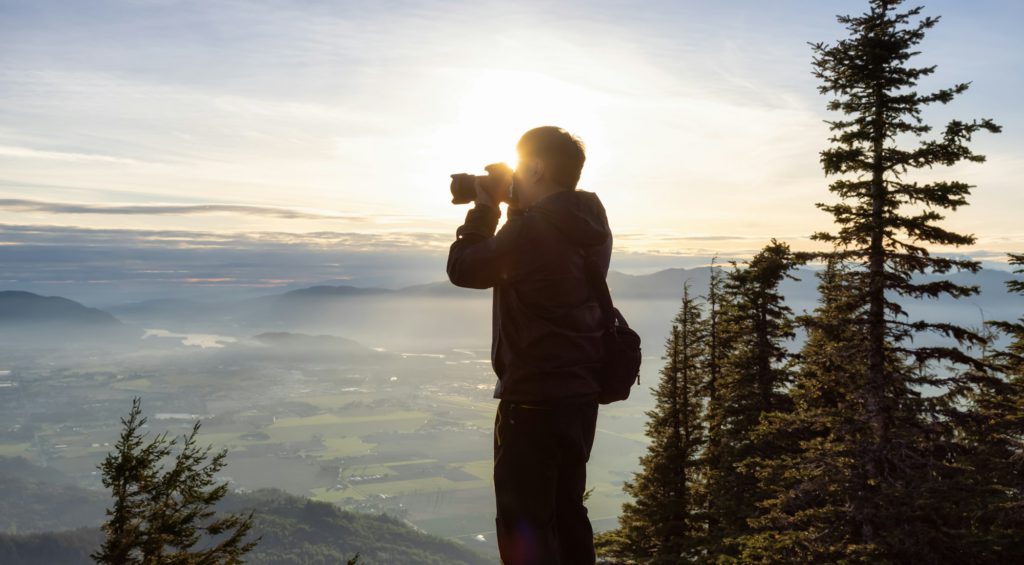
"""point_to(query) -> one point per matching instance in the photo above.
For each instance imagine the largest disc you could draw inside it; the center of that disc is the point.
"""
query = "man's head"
(550, 159)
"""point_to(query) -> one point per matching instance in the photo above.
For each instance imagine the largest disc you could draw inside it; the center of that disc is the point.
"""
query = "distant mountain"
(37, 499)
(293, 529)
(161, 306)
(29, 319)
(664, 284)
(667, 283)
(19, 307)
(299, 530)
(342, 309)
(289, 339)
(306, 347)
(332, 292)
(192, 312)
(68, 547)
(441, 289)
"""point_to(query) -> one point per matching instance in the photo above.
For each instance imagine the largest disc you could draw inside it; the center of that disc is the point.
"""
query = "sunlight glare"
(500, 105)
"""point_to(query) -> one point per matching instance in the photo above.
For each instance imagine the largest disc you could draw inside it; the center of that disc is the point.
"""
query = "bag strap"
(599, 288)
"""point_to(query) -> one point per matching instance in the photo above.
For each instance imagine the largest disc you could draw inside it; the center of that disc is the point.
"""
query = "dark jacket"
(546, 336)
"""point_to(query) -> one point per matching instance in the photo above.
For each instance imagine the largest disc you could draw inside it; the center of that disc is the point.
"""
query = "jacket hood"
(578, 214)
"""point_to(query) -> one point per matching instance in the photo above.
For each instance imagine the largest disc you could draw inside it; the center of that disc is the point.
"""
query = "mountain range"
(419, 309)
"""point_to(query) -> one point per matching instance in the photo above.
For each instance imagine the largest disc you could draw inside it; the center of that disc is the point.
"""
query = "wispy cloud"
(702, 119)
(49, 235)
(23, 205)
(26, 152)
(103, 265)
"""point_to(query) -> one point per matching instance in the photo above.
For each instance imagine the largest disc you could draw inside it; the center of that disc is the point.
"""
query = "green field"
(14, 449)
(425, 458)
(336, 447)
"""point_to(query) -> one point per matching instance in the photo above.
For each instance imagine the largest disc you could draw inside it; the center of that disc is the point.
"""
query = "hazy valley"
(373, 399)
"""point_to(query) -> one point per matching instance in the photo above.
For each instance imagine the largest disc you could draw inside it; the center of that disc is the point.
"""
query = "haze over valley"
(369, 398)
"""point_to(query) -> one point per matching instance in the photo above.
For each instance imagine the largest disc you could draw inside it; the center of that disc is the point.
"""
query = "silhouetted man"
(546, 342)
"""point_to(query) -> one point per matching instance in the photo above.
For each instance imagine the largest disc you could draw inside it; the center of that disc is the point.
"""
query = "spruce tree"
(716, 301)
(1013, 367)
(994, 436)
(160, 516)
(1013, 357)
(893, 416)
(664, 522)
(805, 517)
(752, 331)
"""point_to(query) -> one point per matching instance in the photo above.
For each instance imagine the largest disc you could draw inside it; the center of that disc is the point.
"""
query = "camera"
(463, 184)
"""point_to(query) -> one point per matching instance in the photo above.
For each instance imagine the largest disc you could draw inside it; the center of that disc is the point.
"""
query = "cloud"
(702, 122)
(24, 205)
(687, 246)
(669, 238)
(50, 235)
(26, 152)
(103, 266)
(107, 266)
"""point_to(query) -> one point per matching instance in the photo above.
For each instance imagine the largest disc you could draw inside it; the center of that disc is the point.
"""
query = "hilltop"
(293, 529)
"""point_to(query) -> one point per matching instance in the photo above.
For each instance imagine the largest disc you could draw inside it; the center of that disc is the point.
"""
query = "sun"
(500, 105)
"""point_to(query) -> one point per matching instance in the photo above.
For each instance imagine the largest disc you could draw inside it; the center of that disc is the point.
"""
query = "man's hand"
(494, 189)
(484, 196)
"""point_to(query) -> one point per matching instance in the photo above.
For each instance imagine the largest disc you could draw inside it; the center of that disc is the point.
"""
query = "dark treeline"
(866, 446)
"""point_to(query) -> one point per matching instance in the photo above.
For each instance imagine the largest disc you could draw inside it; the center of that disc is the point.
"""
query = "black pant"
(540, 474)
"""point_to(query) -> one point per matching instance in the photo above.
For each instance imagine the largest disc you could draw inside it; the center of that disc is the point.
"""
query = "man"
(546, 346)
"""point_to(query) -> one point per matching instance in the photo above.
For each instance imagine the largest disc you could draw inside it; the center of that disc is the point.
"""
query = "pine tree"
(158, 515)
(806, 512)
(1013, 367)
(994, 436)
(716, 301)
(753, 328)
(664, 522)
(902, 499)
(1013, 357)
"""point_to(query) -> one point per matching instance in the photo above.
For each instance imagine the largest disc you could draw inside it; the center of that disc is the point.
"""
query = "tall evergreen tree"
(158, 515)
(1013, 365)
(716, 301)
(994, 436)
(664, 522)
(902, 502)
(1013, 357)
(806, 514)
(752, 332)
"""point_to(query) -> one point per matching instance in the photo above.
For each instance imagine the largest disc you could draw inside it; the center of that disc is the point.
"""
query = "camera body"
(464, 184)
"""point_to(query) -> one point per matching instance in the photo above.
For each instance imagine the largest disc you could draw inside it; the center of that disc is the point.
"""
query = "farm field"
(410, 437)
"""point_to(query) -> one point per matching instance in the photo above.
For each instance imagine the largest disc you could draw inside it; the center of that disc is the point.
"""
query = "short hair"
(562, 153)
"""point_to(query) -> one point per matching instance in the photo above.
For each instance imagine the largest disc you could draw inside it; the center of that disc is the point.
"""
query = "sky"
(252, 145)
